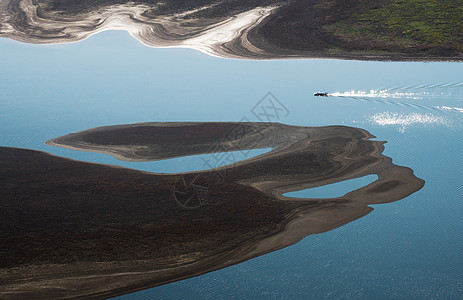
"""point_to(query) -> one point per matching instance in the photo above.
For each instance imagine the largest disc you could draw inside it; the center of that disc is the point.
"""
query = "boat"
(321, 94)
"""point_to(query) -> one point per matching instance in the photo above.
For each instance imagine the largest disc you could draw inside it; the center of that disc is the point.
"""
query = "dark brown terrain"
(73, 229)
(258, 29)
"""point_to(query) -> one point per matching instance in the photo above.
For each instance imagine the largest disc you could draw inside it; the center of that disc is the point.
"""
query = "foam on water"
(435, 98)
(388, 94)
(445, 90)
(447, 108)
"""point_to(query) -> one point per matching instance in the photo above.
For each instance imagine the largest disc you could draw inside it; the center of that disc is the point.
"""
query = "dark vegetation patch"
(421, 27)
(424, 25)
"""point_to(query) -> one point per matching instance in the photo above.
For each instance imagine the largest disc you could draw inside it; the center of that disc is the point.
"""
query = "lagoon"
(335, 189)
(406, 249)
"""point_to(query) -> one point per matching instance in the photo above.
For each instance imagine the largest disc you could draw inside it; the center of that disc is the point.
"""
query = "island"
(73, 229)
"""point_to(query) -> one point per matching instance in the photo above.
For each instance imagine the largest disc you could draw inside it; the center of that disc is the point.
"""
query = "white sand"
(162, 31)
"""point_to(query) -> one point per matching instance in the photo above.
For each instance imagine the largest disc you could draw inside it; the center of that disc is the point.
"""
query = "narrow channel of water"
(334, 190)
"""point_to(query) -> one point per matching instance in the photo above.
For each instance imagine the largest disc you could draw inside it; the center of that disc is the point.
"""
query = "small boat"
(320, 94)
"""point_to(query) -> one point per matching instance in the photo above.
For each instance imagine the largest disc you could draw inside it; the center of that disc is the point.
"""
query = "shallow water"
(407, 249)
(334, 190)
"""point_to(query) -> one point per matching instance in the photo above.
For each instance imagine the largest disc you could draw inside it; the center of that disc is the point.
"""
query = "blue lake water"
(407, 249)
(333, 190)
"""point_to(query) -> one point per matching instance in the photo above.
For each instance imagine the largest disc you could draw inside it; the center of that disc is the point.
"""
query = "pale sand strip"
(160, 32)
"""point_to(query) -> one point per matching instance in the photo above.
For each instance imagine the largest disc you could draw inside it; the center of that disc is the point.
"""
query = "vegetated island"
(72, 229)
(258, 29)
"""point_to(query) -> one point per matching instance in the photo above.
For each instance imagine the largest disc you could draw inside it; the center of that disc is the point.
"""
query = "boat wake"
(380, 94)
(429, 97)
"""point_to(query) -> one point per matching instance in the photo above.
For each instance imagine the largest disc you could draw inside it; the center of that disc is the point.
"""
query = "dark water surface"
(407, 249)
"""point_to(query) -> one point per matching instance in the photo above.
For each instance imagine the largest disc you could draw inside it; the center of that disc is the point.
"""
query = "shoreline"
(293, 226)
(362, 57)
(228, 36)
(125, 228)
(300, 137)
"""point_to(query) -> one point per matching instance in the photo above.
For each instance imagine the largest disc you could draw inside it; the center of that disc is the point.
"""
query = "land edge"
(248, 47)
(384, 165)
(68, 141)
(289, 227)
(342, 56)
(283, 231)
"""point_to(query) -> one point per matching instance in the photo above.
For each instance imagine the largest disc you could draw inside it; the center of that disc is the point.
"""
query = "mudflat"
(75, 229)
(427, 30)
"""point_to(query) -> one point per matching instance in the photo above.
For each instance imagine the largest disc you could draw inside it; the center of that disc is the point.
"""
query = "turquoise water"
(408, 249)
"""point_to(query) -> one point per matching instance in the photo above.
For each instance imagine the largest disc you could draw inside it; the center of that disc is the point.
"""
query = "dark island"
(257, 29)
(72, 229)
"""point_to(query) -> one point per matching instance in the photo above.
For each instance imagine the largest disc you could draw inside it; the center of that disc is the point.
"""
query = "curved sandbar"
(261, 29)
(77, 229)
(335, 148)
(32, 22)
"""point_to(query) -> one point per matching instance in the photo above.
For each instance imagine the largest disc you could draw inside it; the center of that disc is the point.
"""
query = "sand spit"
(94, 231)
(163, 140)
(217, 36)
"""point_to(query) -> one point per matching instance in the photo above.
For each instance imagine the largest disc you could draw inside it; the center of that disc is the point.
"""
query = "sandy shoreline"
(227, 36)
(210, 39)
(102, 207)
(291, 231)
(283, 139)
